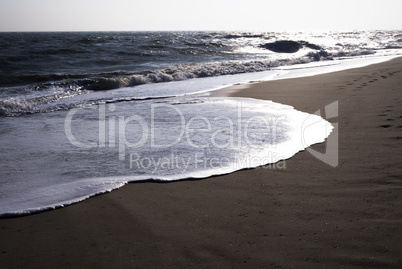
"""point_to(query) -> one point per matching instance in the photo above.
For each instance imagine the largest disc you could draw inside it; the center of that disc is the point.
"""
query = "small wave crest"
(202, 70)
(244, 35)
(178, 73)
(14, 108)
(17, 106)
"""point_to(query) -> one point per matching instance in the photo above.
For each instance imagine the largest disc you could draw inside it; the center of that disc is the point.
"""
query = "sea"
(84, 113)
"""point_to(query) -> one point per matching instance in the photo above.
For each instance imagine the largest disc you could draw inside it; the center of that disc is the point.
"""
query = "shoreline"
(306, 214)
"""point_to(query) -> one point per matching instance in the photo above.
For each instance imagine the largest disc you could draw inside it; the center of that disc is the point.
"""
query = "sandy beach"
(300, 213)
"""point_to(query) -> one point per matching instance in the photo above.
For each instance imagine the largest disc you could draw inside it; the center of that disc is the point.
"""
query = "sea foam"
(92, 150)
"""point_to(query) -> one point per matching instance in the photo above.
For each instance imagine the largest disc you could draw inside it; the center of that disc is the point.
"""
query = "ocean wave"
(41, 81)
(204, 44)
(77, 84)
(178, 73)
(70, 50)
(17, 106)
(393, 47)
(202, 70)
(234, 36)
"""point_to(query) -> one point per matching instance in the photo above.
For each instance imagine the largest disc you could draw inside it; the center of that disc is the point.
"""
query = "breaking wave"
(41, 76)
(118, 79)
(71, 85)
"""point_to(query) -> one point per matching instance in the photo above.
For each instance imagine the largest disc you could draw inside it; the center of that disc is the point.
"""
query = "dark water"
(82, 59)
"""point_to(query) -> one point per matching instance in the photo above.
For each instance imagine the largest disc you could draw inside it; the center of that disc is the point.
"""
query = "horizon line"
(83, 31)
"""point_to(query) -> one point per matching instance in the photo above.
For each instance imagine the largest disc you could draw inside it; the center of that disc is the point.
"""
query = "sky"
(213, 15)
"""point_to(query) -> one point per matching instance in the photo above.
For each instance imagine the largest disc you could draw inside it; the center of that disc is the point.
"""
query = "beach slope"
(300, 213)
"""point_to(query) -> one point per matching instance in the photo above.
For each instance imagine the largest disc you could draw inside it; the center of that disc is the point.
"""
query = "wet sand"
(300, 213)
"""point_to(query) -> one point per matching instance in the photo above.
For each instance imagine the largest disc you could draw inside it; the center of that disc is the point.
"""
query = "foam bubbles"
(46, 166)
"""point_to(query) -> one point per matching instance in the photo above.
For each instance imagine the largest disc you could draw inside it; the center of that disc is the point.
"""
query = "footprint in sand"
(385, 125)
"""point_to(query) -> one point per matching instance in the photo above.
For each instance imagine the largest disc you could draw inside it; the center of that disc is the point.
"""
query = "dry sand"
(302, 213)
